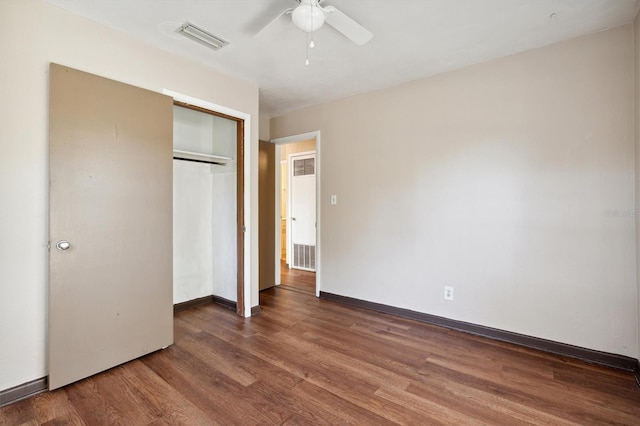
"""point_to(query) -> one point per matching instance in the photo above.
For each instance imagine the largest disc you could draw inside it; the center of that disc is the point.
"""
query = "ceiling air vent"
(201, 36)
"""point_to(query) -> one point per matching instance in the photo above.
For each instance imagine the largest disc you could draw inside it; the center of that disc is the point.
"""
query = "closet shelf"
(199, 157)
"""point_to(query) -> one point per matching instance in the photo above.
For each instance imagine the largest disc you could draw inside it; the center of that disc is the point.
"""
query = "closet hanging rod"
(200, 158)
(200, 161)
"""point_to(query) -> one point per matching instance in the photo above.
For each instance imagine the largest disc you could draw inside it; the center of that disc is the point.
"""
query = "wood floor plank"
(432, 412)
(489, 407)
(361, 346)
(340, 363)
(336, 381)
(220, 398)
(18, 413)
(227, 362)
(548, 397)
(309, 361)
(289, 408)
(342, 410)
(55, 408)
(88, 398)
(67, 419)
(159, 399)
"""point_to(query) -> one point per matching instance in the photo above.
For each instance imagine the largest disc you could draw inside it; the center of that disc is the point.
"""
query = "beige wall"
(511, 181)
(32, 34)
(637, 158)
(294, 148)
(265, 127)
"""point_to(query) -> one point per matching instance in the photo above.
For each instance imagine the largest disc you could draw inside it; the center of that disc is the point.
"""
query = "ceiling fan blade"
(284, 12)
(347, 26)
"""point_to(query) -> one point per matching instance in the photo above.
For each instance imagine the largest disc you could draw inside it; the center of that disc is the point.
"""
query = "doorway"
(307, 273)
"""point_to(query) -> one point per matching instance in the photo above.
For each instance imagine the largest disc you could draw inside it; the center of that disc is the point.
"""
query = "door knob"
(63, 245)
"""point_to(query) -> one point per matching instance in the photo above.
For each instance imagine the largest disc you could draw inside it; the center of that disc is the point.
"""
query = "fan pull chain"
(311, 43)
(306, 60)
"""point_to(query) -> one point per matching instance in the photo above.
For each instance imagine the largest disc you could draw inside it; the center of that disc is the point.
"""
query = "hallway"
(297, 280)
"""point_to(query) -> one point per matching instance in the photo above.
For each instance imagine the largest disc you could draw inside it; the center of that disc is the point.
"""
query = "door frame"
(290, 159)
(243, 302)
(278, 143)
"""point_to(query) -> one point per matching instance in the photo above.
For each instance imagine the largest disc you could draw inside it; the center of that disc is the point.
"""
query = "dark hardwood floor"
(297, 280)
(309, 361)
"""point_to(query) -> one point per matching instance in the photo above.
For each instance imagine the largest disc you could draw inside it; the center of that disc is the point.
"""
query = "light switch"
(334, 200)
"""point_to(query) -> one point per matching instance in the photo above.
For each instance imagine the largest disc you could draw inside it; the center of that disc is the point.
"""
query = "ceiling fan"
(310, 15)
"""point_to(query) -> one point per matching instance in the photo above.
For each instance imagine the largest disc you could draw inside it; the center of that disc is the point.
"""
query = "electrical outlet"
(448, 293)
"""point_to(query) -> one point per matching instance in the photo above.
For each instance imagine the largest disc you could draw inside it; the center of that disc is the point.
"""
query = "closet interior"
(204, 206)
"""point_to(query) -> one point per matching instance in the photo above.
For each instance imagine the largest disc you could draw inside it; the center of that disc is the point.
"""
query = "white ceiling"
(412, 38)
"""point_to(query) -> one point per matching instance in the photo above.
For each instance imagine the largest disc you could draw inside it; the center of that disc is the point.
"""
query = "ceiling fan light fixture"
(201, 36)
(308, 16)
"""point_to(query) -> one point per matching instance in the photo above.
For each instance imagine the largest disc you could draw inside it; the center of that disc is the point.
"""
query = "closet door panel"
(110, 277)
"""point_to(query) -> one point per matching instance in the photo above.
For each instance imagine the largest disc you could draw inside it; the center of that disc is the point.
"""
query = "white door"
(110, 224)
(302, 190)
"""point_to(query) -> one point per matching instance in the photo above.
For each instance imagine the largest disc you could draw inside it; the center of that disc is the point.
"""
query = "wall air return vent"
(304, 256)
(304, 167)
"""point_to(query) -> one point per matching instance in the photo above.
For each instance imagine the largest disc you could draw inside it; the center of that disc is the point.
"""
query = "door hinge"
(244, 228)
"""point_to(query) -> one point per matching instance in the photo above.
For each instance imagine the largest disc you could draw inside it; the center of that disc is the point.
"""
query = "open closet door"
(110, 261)
(267, 215)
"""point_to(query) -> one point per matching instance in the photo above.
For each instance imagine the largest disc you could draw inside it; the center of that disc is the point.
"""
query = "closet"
(204, 206)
